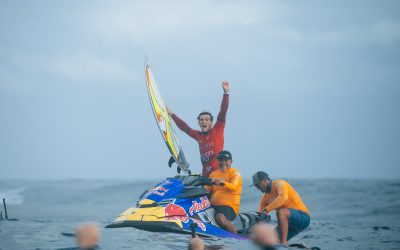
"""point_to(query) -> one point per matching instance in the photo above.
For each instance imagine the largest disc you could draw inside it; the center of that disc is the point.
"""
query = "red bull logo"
(175, 212)
(196, 207)
(160, 190)
(200, 224)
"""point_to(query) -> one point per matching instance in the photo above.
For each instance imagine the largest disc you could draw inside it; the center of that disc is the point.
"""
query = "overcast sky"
(315, 86)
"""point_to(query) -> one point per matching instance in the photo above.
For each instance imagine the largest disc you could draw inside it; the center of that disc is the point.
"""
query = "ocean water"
(346, 214)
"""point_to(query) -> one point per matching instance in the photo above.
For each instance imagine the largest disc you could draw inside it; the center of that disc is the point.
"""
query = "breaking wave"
(13, 197)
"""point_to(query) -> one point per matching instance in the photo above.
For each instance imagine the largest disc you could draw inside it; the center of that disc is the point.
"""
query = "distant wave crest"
(13, 197)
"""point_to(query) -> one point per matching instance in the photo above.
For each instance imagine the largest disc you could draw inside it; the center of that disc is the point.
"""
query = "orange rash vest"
(229, 194)
(282, 195)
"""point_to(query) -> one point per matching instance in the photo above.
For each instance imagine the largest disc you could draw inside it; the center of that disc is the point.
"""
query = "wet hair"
(205, 113)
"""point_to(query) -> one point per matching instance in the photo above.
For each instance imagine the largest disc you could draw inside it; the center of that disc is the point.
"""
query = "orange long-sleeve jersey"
(282, 195)
(229, 194)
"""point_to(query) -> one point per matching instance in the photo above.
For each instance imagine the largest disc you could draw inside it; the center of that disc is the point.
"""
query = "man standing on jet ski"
(210, 138)
(291, 213)
(225, 191)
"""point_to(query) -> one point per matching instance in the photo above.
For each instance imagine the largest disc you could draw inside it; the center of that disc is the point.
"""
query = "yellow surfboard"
(164, 122)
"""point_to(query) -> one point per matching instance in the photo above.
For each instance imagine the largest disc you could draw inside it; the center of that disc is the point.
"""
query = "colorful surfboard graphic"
(164, 121)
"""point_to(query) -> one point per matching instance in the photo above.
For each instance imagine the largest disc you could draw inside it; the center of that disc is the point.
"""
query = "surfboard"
(165, 123)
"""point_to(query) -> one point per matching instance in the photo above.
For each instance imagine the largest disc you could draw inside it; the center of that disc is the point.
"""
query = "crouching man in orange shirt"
(225, 191)
(292, 215)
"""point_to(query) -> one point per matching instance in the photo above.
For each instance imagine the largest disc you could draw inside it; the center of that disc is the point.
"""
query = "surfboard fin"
(171, 161)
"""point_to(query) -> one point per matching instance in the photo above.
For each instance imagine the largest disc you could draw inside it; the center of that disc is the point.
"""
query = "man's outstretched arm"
(180, 123)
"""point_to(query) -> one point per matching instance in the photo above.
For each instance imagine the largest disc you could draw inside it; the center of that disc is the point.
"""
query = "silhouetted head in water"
(264, 235)
(87, 236)
(196, 244)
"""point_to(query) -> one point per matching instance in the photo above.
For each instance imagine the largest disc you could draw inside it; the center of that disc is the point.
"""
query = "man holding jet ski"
(292, 214)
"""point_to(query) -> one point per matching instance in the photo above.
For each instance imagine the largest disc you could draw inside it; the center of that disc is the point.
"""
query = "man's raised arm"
(225, 102)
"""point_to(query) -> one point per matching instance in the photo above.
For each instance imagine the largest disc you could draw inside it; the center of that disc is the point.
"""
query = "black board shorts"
(225, 210)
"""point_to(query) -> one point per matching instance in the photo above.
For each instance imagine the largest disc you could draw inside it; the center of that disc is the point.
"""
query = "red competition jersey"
(211, 143)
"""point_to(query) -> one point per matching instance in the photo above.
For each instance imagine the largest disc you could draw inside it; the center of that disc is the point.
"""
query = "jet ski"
(174, 204)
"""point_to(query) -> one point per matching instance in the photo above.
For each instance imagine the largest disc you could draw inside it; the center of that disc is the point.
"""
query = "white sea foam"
(13, 197)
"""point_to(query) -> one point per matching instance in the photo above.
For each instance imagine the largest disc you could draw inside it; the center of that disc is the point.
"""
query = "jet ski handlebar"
(197, 181)
(206, 181)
